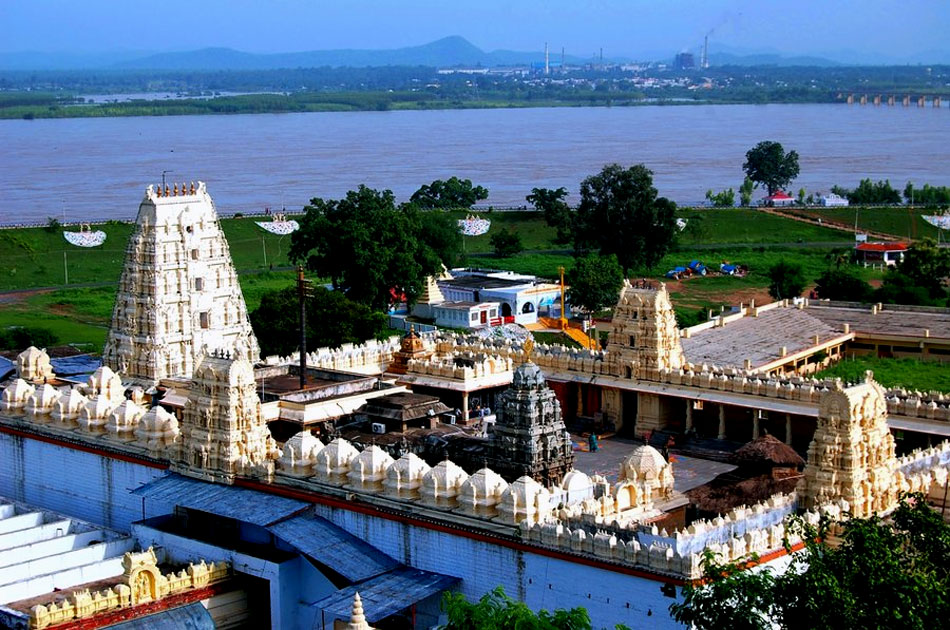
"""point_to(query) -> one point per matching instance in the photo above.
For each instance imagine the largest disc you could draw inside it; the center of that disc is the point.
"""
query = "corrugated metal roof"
(190, 617)
(386, 594)
(80, 364)
(333, 547)
(249, 506)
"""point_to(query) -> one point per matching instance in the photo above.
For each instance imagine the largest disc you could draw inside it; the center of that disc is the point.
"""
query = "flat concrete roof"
(759, 339)
(890, 320)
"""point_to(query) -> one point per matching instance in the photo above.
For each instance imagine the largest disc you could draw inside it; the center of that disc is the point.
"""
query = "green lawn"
(908, 373)
(740, 225)
(900, 221)
(33, 257)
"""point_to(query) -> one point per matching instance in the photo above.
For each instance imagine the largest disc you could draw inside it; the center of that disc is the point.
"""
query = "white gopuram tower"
(179, 294)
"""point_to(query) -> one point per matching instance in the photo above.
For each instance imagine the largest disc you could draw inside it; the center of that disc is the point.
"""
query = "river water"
(92, 168)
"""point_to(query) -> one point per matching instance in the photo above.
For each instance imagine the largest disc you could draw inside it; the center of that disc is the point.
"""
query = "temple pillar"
(755, 424)
(580, 400)
(689, 415)
(465, 406)
(788, 428)
(722, 422)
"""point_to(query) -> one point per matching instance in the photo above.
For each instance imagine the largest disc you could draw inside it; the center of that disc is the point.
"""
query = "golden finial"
(176, 190)
(166, 190)
(527, 348)
(191, 190)
(159, 191)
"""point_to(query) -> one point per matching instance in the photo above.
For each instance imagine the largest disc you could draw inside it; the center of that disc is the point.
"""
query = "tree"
(882, 575)
(843, 284)
(786, 280)
(332, 320)
(557, 213)
(594, 282)
(745, 192)
(723, 199)
(920, 278)
(868, 193)
(367, 246)
(441, 233)
(451, 193)
(497, 611)
(22, 337)
(767, 163)
(506, 243)
(620, 214)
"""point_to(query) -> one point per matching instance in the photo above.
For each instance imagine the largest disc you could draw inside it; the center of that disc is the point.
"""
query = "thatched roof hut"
(767, 452)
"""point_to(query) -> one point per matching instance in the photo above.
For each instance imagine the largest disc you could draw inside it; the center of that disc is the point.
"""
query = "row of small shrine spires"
(185, 190)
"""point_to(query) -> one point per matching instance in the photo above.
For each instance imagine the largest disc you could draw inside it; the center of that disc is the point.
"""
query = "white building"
(467, 314)
(521, 298)
(832, 200)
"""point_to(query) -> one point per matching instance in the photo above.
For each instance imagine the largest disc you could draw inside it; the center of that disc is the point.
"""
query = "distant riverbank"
(57, 106)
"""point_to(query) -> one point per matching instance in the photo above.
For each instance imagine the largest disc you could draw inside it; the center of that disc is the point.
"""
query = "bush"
(842, 284)
(52, 225)
(21, 337)
(506, 243)
(786, 280)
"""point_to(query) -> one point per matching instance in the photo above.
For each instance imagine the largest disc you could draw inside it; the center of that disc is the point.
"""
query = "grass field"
(908, 373)
(900, 221)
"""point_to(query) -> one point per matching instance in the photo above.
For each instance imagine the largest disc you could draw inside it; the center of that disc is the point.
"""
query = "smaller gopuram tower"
(530, 437)
(222, 431)
(179, 293)
(644, 338)
(852, 454)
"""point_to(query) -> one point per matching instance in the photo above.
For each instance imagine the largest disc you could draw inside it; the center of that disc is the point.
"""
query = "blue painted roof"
(78, 365)
(333, 547)
(242, 504)
(386, 594)
(189, 617)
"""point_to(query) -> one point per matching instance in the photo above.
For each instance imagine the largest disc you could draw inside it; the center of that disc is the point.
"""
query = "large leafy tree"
(595, 282)
(332, 320)
(367, 246)
(768, 164)
(506, 243)
(885, 574)
(451, 193)
(786, 280)
(920, 278)
(621, 214)
(842, 284)
(557, 213)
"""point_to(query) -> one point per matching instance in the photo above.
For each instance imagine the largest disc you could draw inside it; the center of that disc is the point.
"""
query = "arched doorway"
(505, 309)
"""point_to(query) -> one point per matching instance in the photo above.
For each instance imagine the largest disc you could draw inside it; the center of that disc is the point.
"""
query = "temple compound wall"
(178, 293)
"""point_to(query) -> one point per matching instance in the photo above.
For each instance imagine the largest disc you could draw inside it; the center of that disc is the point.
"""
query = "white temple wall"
(539, 580)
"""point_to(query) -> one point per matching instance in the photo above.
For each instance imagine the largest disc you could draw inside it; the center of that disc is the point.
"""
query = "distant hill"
(730, 59)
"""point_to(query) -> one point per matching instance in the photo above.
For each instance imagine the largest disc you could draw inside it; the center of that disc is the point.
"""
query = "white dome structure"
(368, 469)
(481, 492)
(106, 383)
(577, 486)
(95, 413)
(333, 461)
(157, 429)
(14, 396)
(123, 420)
(645, 476)
(33, 365)
(404, 477)
(524, 499)
(41, 402)
(67, 408)
(300, 454)
(440, 486)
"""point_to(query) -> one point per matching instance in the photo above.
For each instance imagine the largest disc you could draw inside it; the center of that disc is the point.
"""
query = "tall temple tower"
(530, 437)
(222, 431)
(643, 338)
(178, 294)
(852, 454)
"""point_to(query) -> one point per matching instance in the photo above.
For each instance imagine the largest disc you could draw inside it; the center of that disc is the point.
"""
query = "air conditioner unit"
(379, 427)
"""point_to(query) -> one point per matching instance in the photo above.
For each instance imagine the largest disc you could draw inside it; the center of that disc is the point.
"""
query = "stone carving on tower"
(643, 337)
(223, 434)
(530, 437)
(852, 455)
(178, 293)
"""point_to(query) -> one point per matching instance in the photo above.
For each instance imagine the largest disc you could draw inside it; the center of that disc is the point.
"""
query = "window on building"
(199, 284)
(633, 340)
(494, 313)
(474, 317)
(204, 320)
(194, 254)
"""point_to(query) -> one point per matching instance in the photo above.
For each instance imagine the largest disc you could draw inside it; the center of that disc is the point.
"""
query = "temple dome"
(69, 405)
(440, 486)
(124, 418)
(577, 486)
(528, 376)
(96, 411)
(15, 396)
(524, 499)
(333, 461)
(645, 463)
(368, 469)
(106, 383)
(33, 365)
(405, 476)
(42, 400)
(300, 453)
(157, 428)
(479, 494)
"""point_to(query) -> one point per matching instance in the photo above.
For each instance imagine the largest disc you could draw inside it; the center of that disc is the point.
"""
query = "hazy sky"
(896, 28)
